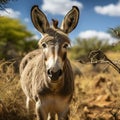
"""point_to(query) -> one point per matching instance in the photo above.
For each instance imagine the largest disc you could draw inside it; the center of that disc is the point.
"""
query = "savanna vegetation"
(97, 90)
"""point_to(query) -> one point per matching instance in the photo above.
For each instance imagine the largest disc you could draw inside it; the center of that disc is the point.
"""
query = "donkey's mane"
(54, 35)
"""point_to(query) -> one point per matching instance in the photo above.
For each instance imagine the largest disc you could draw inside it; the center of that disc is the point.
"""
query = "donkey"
(46, 73)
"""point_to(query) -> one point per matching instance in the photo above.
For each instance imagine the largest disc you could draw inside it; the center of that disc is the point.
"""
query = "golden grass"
(113, 55)
(11, 96)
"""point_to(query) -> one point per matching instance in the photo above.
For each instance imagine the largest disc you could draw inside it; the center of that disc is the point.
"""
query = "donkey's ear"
(39, 19)
(70, 20)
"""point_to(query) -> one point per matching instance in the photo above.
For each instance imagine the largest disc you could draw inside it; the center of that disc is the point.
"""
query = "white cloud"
(27, 20)
(110, 10)
(36, 37)
(9, 12)
(97, 34)
(59, 6)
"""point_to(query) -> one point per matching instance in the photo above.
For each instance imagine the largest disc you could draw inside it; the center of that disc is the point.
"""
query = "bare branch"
(97, 56)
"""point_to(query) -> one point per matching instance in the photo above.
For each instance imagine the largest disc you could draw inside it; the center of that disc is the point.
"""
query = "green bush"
(14, 38)
(84, 46)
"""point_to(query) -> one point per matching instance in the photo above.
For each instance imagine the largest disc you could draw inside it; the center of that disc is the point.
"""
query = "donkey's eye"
(44, 45)
(65, 46)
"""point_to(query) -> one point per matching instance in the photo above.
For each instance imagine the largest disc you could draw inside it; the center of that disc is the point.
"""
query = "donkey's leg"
(52, 116)
(28, 105)
(41, 114)
(64, 115)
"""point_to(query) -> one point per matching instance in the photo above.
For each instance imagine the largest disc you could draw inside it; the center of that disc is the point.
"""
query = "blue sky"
(96, 16)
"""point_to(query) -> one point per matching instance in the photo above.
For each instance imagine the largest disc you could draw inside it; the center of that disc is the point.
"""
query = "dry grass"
(11, 96)
(96, 96)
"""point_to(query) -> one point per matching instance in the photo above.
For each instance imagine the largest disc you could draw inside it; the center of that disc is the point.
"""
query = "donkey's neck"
(68, 87)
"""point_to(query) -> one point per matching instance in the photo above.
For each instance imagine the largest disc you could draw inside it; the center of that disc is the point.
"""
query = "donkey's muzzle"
(54, 75)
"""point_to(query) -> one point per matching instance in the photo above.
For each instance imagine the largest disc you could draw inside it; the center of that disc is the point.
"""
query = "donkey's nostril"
(59, 72)
(49, 72)
(54, 75)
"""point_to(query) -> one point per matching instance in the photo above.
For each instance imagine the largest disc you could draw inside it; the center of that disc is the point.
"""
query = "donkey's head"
(55, 40)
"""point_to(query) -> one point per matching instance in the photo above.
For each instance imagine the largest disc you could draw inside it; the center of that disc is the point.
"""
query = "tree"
(3, 3)
(13, 38)
(115, 32)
